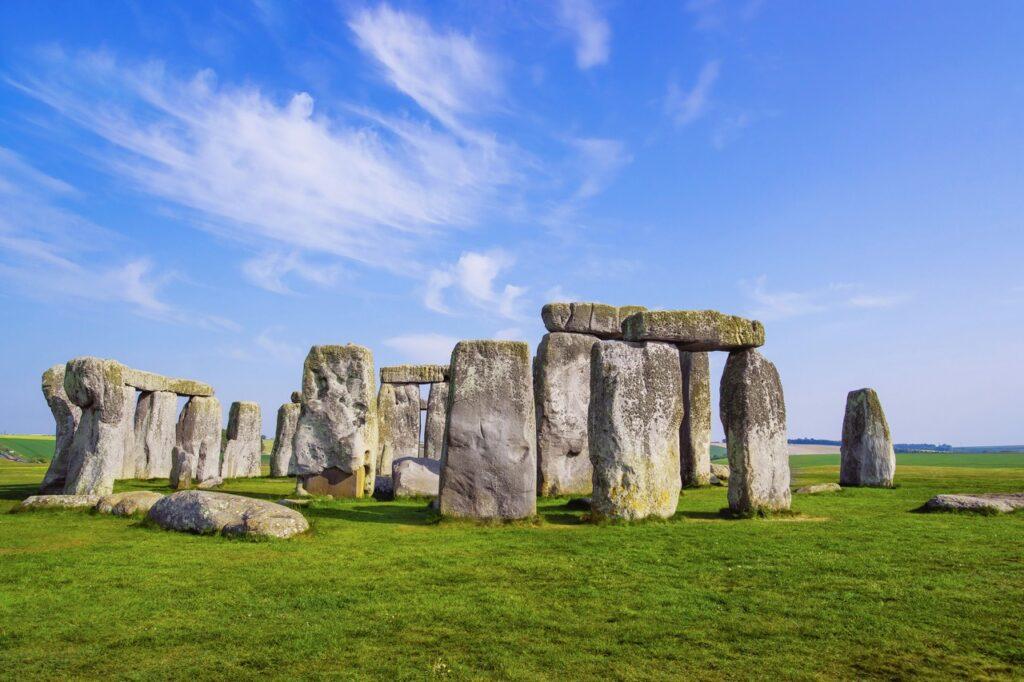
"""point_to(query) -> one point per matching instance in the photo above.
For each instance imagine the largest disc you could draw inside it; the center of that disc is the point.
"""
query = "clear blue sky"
(207, 189)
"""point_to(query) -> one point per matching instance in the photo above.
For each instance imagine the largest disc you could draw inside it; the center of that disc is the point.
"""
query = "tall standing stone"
(753, 412)
(695, 433)
(562, 384)
(282, 458)
(66, 415)
(244, 446)
(437, 416)
(97, 449)
(337, 432)
(156, 415)
(405, 430)
(867, 455)
(197, 441)
(128, 461)
(386, 416)
(636, 408)
(489, 461)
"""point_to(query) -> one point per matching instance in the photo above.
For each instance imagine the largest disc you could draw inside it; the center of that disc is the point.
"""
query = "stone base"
(334, 482)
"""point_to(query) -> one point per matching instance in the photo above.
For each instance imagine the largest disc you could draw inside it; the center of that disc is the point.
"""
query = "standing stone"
(562, 383)
(386, 416)
(282, 459)
(867, 455)
(636, 407)
(753, 412)
(244, 445)
(155, 419)
(66, 415)
(128, 463)
(405, 432)
(437, 415)
(183, 463)
(197, 439)
(336, 437)
(695, 433)
(489, 460)
(97, 450)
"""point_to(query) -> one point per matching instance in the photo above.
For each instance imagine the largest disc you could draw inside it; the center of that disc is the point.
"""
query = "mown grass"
(855, 585)
(35, 448)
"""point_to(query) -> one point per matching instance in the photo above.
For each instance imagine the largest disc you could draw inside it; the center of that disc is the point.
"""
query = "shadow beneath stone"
(375, 513)
(18, 491)
(717, 515)
(562, 519)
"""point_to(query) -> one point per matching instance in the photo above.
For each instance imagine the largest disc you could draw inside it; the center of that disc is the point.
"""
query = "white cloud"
(509, 334)
(423, 348)
(474, 277)
(269, 270)
(686, 107)
(590, 30)
(877, 301)
(774, 305)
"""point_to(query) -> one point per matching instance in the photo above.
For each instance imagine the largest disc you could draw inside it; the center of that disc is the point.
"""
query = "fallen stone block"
(818, 488)
(416, 477)
(720, 471)
(210, 483)
(414, 374)
(997, 503)
(136, 502)
(694, 330)
(867, 457)
(36, 502)
(202, 512)
(597, 319)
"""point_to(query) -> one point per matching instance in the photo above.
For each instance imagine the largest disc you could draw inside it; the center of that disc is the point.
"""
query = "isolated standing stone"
(405, 430)
(156, 416)
(97, 450)
(416, 477)
(244, 445)
(282, 460)
(636, 407)
(695, 433)
(489, 462)
(753, 412)
(867, 457)
(596, 319)
(337, 430)
(66, 415)
(694, 330)
(437, 416)
(562, 384)
(197, 440)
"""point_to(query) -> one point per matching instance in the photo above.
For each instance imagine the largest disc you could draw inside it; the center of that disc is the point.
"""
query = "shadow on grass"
(18, 491)
(378, 513)
(558, 518)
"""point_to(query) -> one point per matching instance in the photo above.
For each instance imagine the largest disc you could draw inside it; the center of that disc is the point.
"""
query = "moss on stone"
(696, 330)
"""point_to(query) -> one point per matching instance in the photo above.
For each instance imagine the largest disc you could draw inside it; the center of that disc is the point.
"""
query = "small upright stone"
(197, 441)
(695, 433)
(156, 415)
(244, 446)
(635, 411)
(694, 330)
(183, 463)
(753, 412)
(66, 415)
(437, 415)
(282, 461)
(489, 462)
(595, 319)
(97, 450)
(867, 457)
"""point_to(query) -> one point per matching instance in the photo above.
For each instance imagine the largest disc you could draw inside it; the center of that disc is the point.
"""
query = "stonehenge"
(694, 330)
(196, 453)
(596, 319)
(282, 458)
(244, 446)
(400, 398)
(154, 430)
(386, 416)
(416, 477)
(866, 455)
(695, 433)
(436, 417)
(67, 415)
(98, 447)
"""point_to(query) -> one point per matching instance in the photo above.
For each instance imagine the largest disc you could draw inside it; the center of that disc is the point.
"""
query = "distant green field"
(29, 447)
(988, 460)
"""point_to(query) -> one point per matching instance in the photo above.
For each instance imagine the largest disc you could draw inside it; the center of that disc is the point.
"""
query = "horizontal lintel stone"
(414, 374)
(694, 330)
(598, 319)
(148, 381)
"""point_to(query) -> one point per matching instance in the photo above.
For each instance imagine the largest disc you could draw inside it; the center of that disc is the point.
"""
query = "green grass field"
(855, 585)
(35, 448)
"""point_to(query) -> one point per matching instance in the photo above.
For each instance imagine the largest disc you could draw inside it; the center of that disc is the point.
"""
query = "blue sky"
(207, 189)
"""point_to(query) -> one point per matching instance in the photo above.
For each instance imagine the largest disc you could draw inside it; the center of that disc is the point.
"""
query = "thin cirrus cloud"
(423, 348)
(780, 304)
(686, 106)
(589, 29)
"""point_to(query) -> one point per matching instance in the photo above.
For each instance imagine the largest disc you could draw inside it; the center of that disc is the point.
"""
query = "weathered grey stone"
(337, 427)
(128, 503)
(66, 416)
(97, 449)
(36, 502)
(387, 415)
(720, 471)
(695, 432)
(210, 483)
(1000, 503)
(753, 412)
(148, 381)
(413, 374)
(866, 456)
(156, 416)
(818, 488)
(196, 442)
(562, 383)
(296, 397)
(128, 460)
(436, 418)
(282, 458)
(489, 460)
(198, 511)
(636, 407)
(423, 402)
(293, 503)
(405, 429)
(416, 477)
(596, 319)
(244, 446)
(694, 330)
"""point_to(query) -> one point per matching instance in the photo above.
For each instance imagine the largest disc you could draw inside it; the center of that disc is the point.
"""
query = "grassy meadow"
(854, 585)
(34, 448)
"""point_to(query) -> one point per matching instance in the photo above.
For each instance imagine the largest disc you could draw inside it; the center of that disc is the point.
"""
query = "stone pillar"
(753, 412)
(128, 464)
(489, 460)
(437, 415)
(66, 415)
(336, 437)
(386, 416)
(405, 431)
(636, 408)
(867, 455)
(282, 458)
(197, 441)
(695, 433)
(244, 445)
(97, 449)
(562, 384)
(156, 415)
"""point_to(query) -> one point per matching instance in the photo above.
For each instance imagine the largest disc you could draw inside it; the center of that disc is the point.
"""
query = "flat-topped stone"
(1001, 503)
(818, 488)
(597, 319)
(414, 374)
(197, 511)
(149, 381)
(128, 503)
(694, 330)
(57, 502)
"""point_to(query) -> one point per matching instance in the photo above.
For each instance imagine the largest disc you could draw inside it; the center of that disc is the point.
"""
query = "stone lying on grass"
(293, 503)
(416, 477)
(57, 502)
(598, 319)
(1001, 503)
(210, 483)
(818, 488)
(720, 471)
(128, 503)
(196, 511)
(694, 330)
